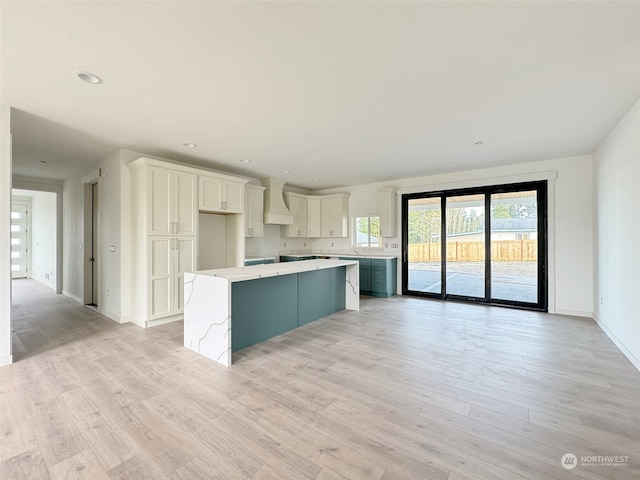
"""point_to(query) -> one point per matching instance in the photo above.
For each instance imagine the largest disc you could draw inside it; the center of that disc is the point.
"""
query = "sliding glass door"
(514, 246)
(493, 249)
(465, 265)
(424, 245)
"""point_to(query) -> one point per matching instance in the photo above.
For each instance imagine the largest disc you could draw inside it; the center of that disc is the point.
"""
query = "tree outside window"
(367, 231)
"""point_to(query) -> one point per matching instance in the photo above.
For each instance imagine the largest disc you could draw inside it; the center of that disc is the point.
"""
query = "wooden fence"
(501, 251)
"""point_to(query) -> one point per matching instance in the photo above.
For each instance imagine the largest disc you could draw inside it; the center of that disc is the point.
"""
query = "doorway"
(19, 240)
(486, 244)
(92, 244)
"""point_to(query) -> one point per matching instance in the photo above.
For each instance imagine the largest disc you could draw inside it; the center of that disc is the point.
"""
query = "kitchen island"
(229, 309)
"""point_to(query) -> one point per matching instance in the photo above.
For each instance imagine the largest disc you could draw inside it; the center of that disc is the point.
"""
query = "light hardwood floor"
(404, 389)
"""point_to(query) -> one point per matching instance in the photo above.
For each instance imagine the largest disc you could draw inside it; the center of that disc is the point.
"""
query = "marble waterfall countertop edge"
(252, 272)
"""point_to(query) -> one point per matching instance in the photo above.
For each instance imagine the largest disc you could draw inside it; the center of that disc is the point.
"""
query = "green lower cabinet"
(263, 308)
(267, 307)
(320, 293)
(378, 276)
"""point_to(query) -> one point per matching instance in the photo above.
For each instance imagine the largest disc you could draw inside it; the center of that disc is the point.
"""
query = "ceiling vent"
(275, 211)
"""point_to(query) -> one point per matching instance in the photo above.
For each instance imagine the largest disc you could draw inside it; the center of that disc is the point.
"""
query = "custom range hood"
(275, 211)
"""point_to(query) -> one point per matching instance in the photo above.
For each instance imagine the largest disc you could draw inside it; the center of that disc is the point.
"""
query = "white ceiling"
(322, 89)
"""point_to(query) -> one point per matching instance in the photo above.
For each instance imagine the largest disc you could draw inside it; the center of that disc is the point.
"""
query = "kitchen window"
(367, 231)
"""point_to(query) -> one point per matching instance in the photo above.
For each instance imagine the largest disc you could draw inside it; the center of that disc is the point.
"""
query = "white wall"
(113, 266)
(73, 238)
(212, 241)
(617, 234)
(570, 220)
(43, 238)
(271, 244)
(5, 235)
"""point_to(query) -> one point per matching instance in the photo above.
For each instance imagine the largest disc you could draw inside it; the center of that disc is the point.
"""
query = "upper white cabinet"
(314, 216)
(171, 202)
(335, 216)
(387, 204)
(219, 193)
(328, 215)
(297, 205)
(254, 211)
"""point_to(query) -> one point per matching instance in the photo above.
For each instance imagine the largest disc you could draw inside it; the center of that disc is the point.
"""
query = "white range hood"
(275, 211)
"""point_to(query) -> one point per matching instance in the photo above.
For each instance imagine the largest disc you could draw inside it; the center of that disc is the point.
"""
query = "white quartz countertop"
(337, 255)
(250, 259)
(252, 272)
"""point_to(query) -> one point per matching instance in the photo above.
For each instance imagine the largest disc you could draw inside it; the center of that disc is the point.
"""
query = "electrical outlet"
(305, 244)
(332, 244)
(285, 244)
(394, 245)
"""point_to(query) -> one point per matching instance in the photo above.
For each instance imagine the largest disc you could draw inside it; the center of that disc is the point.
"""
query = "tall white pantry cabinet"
(164, 229)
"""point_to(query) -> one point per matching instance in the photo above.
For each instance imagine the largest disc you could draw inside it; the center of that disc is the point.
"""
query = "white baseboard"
(621, 346)
(6, 360)
(135, 321)
(113, 316)
(44, 282)
(574, 313)
(162, 321)
(72, 296)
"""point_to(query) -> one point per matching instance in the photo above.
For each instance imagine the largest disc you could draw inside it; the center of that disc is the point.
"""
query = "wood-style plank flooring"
(405, 388)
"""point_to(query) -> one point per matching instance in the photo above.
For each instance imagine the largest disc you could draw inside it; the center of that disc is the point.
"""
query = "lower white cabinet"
(168, 258)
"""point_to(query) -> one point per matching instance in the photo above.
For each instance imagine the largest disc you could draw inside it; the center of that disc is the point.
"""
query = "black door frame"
(487, 191)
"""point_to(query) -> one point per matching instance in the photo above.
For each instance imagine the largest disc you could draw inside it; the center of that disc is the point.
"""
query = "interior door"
(95, 236)
(19, 247)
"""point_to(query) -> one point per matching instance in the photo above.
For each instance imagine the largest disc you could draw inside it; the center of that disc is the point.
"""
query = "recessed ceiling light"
(285, 171)
(189, 145)
(315, 180)
(88, 77)
(43, 161)
(353, 174)
(245, 160)
(479, 143)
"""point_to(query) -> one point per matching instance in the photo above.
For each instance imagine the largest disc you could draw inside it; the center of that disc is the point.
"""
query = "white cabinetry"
(164, 239)
(171, 202)
(387, 203)
(221, 194)
(254, 211)
(328, 215)
(297, 205)
(314, 216)
(169, 258)
(335, 216)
